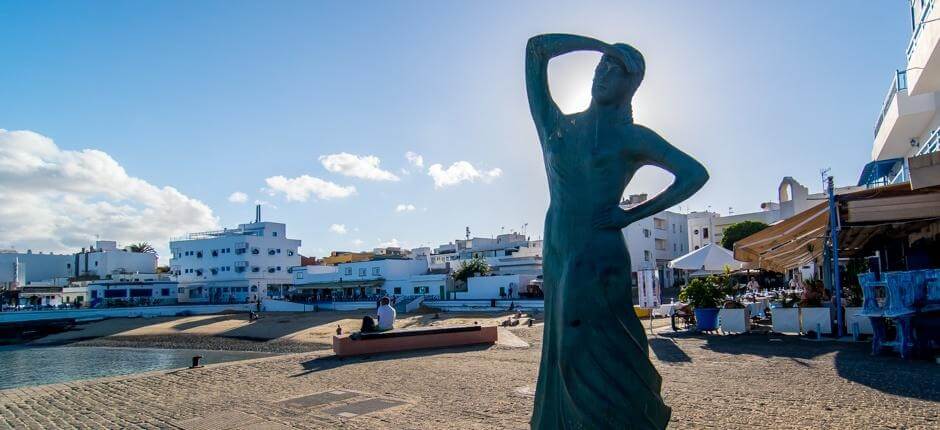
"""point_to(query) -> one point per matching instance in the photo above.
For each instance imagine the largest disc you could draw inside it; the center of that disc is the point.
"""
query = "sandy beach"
(283, 332)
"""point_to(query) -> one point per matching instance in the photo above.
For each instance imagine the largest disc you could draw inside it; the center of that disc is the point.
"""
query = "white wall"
(39, 267)
(487, 287)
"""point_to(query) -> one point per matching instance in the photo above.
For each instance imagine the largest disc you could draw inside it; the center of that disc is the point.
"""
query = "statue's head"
(616, 81)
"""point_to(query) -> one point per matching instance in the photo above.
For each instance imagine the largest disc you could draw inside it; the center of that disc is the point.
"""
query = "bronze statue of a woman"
(595, 371)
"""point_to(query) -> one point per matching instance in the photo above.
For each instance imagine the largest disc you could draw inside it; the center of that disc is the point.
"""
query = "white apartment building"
(105, 259)
(907, 131)
(655, 240)
(510, 253)
(234, 265)
(362, 279)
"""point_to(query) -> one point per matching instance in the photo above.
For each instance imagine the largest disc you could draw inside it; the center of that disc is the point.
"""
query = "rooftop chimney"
(257, 213)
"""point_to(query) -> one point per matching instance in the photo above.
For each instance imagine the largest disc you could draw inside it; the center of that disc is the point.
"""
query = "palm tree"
(142, 247)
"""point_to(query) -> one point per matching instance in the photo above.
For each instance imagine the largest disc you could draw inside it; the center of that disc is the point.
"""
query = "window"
(362, 271)
(705, 233)
(255, 251)
(659, 223)
(417, 290)
(255, 269)
(299, 275)
(110, 294)
(179, 290)
(695, 232)
(397, 290)
(279, 250)
(274, 233)
(290, 253)
(675, 248)
(660, 245)
(278, 268)
(349, 271)
(375, 271)
(96, 264)
(164, 292)
(673, 227)
(646, 232)
(646, 255)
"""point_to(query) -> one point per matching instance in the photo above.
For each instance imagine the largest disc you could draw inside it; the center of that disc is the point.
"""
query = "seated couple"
(386, 318)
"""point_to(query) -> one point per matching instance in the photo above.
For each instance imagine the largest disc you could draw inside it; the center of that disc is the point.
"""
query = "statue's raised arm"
(689, 176)
(539, 51)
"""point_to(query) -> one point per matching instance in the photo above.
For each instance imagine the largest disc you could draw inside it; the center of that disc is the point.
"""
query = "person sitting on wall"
(386, 318)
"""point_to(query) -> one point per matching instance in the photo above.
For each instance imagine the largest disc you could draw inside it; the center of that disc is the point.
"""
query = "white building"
(908, 124)
(361, 279)
(240, 264)
(654, 241)
(137, 288)
(105, 259)
(510, 253)
(35, 266)
(792, 198)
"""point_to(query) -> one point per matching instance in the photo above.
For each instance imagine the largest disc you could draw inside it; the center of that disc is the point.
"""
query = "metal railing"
(932, 144)
(899, 83)
(915, 36)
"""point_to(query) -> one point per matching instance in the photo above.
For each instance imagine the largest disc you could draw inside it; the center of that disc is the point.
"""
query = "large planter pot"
(734, 320)
(852, 316)
(785, 320)
(816, 319)
(706, 319)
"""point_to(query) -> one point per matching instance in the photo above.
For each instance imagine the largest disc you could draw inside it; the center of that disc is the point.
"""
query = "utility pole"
(834, 243)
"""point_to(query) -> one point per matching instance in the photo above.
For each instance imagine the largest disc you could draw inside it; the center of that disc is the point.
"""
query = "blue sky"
(211, 98)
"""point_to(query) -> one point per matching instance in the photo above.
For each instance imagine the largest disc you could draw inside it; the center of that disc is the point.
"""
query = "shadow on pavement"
(887, 373)
(332, 361)
(667, 351)
(198, 322)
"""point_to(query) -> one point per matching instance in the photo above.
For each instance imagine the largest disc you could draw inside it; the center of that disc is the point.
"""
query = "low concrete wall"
(484, 305)
(414, 304)
(146, 312)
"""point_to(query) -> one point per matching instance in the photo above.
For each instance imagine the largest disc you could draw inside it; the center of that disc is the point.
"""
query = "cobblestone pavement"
(710, 382)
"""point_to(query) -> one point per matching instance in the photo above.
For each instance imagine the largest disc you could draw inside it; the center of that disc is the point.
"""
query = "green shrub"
(703, 293)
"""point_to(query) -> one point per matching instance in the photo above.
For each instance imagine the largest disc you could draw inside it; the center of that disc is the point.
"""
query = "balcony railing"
(932, 144)
(899, 83)
(919, 27)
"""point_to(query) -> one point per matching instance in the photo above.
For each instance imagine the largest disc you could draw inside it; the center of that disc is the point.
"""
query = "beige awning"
(788, 243)
(864, 214)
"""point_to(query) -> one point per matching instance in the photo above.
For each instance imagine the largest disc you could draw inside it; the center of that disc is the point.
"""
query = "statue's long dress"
(595, 371)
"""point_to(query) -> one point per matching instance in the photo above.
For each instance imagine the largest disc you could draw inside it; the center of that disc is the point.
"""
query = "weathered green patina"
(595, 371)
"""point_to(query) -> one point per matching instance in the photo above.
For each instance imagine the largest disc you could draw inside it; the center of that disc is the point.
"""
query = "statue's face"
(611, 81)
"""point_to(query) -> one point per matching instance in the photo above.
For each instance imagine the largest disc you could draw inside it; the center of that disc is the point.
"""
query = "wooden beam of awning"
(893, 208)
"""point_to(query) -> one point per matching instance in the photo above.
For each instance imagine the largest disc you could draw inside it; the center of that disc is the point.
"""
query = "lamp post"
(834, 243)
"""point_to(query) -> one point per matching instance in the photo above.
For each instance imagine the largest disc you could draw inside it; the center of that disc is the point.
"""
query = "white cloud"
(365, 167)
(357, 242)
(300, 188)
(238, 197)
(389, 243)
(59, 200)
(338, 228)
(405, 208)
(415, 159)
(459, 172)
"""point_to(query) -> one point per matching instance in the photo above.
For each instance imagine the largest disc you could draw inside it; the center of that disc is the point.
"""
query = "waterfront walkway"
(709, 381)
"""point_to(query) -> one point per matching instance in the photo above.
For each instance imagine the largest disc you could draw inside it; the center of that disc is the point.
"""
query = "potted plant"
(813, 315)
(734, 317)
(704, 295)
(785, 316)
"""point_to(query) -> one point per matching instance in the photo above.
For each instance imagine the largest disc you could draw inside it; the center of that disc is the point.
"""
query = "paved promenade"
(710, 382)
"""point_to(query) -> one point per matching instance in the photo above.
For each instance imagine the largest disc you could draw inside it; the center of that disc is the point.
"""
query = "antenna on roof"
(257, 213)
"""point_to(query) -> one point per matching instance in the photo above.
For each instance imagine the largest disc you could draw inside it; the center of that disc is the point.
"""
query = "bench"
(411, 339)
